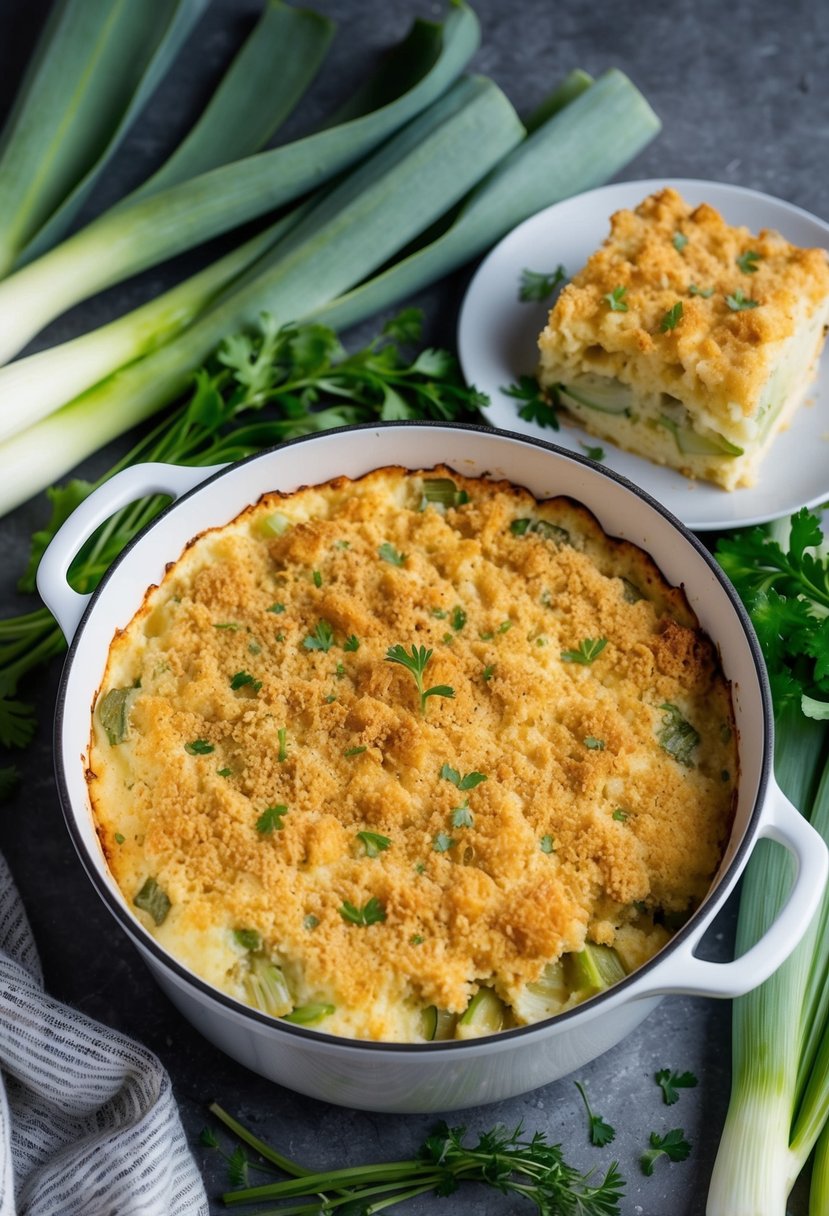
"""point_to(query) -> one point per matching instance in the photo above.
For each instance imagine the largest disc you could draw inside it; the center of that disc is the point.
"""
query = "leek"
(140, 233)
(93, 69)
(393, 196)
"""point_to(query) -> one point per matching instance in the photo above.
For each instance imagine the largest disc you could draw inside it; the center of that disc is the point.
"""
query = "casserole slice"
(687, 341)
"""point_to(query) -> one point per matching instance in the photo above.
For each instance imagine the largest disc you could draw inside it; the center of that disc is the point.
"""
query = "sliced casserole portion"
(687, 341)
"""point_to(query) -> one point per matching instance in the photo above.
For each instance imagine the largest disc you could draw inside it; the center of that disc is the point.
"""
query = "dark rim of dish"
(707, 910)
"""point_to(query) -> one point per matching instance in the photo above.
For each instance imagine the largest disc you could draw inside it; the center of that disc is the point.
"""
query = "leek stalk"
(357, 226)
(138, 234)
(93, 69)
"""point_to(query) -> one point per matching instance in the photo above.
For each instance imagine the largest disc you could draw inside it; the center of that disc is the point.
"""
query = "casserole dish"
(453, 1074)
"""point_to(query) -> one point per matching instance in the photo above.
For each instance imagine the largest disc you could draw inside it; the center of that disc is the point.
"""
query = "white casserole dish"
(443, 1075)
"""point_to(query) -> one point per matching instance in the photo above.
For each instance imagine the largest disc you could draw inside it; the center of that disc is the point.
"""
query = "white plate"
(497, 343)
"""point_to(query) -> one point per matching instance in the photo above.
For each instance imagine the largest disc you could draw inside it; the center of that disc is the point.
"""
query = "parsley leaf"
(458, 618)
(588, 650)
(670, 1082)
(488, 672)
(536, 408)
(351, 644)
(463, 783)
(739, 303)
(321, 639)
(592, 453)
(748, 261)
(416, 663)
(538, 285)
(679, 242)
(389, 554)
(596, 745)
(705, 292)
(271, 819)
(243, 679)
(199, 747)
(621, 816)
(462, 817)
(616, 299)
(672, 1145)
(371, 913)
(277, 608)
(354, 751)
(547, 844)
(671, 318)
(442, 843)
(373, 843)
(601, 1133)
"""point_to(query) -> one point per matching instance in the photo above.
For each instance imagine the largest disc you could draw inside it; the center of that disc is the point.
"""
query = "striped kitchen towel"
(88, 1122)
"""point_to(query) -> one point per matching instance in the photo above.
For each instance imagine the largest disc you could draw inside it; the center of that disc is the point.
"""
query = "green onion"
(361, 223)
(141, 233)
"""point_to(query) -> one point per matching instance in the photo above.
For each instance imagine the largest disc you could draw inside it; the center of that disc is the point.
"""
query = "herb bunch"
(258, 390)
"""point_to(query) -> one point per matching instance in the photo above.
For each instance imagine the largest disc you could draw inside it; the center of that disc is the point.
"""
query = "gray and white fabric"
(88, 1122)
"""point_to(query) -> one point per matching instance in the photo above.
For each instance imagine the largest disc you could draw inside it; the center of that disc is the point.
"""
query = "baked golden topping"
(385, 745)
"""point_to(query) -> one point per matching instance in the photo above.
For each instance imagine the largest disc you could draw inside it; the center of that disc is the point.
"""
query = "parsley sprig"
(257, 390)
(538, 285)
(601, 1133)
(587, 651)
(526, 1167)
(536, 408)
(468, 782)
(671, 1082)
(371, 913)
(672, 1145)
(416, 663)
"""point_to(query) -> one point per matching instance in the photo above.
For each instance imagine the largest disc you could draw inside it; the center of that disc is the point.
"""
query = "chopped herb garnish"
(339, 671)
(670, 1082)
(254, 648)
(249, 939)
(199, 747)
(354, 751)
(458, 618)
(536, 408)
(280, 637)
(420, 867)
(243, 679)
(671, 318)
(680, 241)
(352, 643)
(389, 554)
(224, 772)
(592, 453)
(616, 299)
(119, 838)
(705, 292)
(537, 285)
(416, 940)
(601, 1133)
(271, 819)
(739, 303)
(463, 783)
(153, 900)
(748, 261)
(440, 614)
(442, 492)
(672, 1145)
(487, 672)
(676, 736)
(620, 816)
(371, 913)
(416, 663)
(504, 627)
(447, 639)
(462, 817)
(329, 700)
(547, 844)
(442, 843)
(321, 639)
(317, 577)
(588, 650)
(373, 843)
(310, 921)
(282, 736)
(231, 625)
(543, 528)
(277, 608)
(596, 745)
(343, 544)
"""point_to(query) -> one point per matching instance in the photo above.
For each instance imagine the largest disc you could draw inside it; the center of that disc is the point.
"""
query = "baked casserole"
(413, 757)
(686, 340)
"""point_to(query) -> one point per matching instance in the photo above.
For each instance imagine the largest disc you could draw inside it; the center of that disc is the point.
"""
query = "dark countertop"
(741, 92)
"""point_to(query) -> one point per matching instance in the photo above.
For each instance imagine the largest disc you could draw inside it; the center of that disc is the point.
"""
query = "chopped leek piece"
(308, 1015)
(267, 988)
(437, 1024)
(153, 900)
(486, 1013)
(592, 970)
(676, 736)
(601, 393)
(692, 443)
(542, 528)
(442, 492)
(113, 713)
(248, 939)
(544, 997)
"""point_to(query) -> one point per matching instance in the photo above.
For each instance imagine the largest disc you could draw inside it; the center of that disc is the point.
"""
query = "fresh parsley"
(601, 1133)
(224, 772)
(354, 751)
(748, 261)
(547, 844)
(199, 747)
(389, 554)
(351, 643)
(443, 842)
(739, 302)
(488, 672)
(537, 407)
(615, 299)
(243, 679)
(458, 618)
(620, 815)
(538, 285)
(587, 652)
(321, 639)
(593, 453)
(310, 922)
(120, 838)
(271, 819)
(317, 577)
(596, 745)
(704, 292)
(447, 773)
(462, 817)
(416, 663)
(277, 608)
(371, 913)
(679, 242)
(373, 843)
(671, 318)
(672, 1145)
(671, 1082)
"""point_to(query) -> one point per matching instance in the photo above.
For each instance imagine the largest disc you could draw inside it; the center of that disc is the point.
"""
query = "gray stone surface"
(741, 91)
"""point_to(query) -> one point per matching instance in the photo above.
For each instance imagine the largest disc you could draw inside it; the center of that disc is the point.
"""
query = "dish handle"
(131, 484)
(682, 972)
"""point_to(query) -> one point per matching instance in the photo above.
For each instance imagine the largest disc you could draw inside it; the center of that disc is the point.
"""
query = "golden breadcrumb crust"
(714, 355)
(563, 745)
